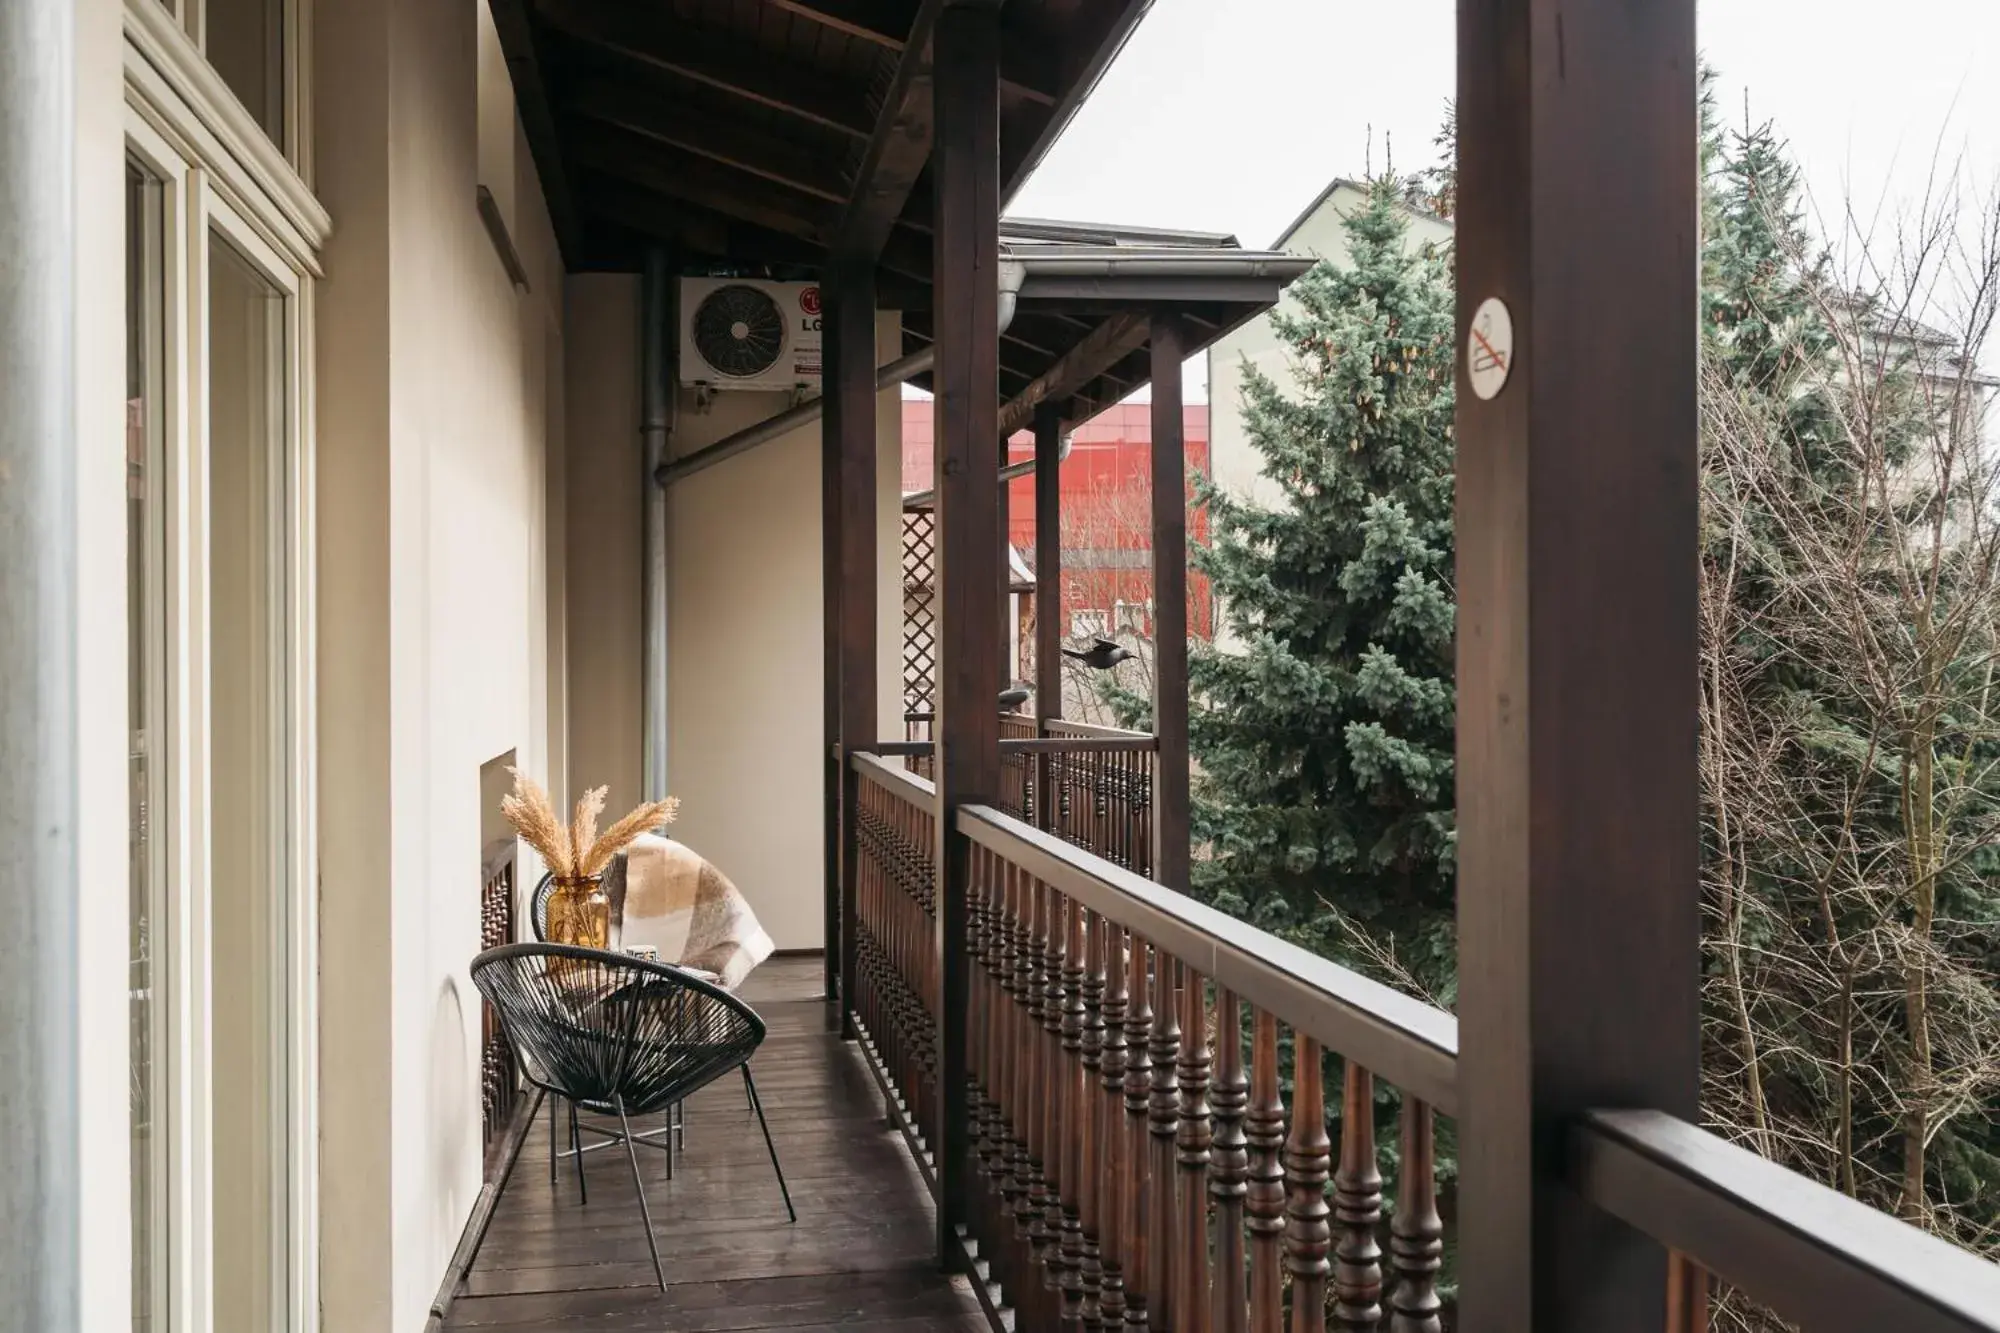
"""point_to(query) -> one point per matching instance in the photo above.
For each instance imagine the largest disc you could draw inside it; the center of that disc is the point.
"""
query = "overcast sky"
(1232, 116)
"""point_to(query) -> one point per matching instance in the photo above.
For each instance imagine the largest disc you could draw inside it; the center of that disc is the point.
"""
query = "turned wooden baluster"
(1055, 977)
(1012, 1162)
(1019, 1076)
(1069, 1129)
(1164, 1113)
(924, 941)
(1112, 1182)
(1229, 1166)
(1416, 1235)
(1138, 1138)
(1357, 1207)
(901, 1020)
(1192, 1139)
(1264, 1197)
(1086, 1103)
(1307, 1155)
(977, 1002)
(992, 1023)
(1031, 1215)
(895, 981)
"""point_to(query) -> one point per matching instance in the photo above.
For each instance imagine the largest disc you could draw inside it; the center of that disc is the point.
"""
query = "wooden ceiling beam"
(633, 105)
(651, 35)
(711, 185)
(678, 174)
(641, 209)
(885, 23)
(516, 31)
(1104, 347)
(897, 151)
(703, 232)
(1024, 71)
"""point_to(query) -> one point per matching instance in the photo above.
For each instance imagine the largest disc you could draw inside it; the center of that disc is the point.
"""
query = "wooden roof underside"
(778, 136)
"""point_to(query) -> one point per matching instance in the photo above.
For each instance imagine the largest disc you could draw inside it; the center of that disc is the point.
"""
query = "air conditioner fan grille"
(739, 331)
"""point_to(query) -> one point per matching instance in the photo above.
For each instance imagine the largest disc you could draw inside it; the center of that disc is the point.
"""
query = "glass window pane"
(246, 452)
(145, 555)
(245, 41)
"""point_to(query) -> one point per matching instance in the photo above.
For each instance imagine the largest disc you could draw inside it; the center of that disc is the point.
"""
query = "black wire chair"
(621, 1036)
(675, 1128)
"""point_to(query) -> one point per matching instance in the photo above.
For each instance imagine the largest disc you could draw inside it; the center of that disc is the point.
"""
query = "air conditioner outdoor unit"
(744, 333)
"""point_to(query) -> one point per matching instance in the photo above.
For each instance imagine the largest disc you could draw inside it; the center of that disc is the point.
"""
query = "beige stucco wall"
(745, 711)
(434, 615)
(604, 635)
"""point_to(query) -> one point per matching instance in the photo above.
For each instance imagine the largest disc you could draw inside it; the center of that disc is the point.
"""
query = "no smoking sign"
(1489, 348)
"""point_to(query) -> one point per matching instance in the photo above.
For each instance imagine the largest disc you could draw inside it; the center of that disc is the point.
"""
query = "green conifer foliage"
(1323, 747)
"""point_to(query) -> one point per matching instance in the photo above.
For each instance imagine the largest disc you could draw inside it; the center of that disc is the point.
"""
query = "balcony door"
(220, 904)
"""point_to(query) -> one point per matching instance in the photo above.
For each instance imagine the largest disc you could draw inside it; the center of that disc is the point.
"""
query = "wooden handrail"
(1134, 744)
(1811, 1254)
(1056, 726)
(898, 780)
(1411, 1044)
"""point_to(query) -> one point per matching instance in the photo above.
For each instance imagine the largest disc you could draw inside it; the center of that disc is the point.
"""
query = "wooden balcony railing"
(1149, 1149)
(1808, 1254)
(1099, 792)
(897, 967)
(1091, 786)
(1132, 1164)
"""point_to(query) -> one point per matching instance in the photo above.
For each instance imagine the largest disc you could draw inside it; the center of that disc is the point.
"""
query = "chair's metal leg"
(645, 1212)
(552, 1142)
(750, 1090)
(576, 1150)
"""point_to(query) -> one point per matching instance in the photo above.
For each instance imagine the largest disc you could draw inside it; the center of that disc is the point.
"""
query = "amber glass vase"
(580, 913)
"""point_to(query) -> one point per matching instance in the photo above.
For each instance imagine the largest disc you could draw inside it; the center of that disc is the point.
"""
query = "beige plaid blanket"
(684, 907)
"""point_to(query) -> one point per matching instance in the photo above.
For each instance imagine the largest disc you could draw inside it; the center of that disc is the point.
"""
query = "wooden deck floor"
(861, 1254)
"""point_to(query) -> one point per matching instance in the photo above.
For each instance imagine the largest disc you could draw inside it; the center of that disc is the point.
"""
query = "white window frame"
(222, 177)
(191, 17)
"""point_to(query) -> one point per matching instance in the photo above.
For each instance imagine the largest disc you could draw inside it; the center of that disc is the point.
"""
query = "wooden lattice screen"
(919, 609)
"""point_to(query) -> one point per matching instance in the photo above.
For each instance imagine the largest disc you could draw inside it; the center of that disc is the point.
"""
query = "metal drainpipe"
(656, 416)
(40, 1197)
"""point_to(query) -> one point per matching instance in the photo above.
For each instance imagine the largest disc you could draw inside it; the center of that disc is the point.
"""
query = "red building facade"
(1107, 514)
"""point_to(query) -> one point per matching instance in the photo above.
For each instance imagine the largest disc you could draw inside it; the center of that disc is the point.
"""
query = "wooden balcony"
(1116, 1106)
(1141, 1152)
(863, 1254)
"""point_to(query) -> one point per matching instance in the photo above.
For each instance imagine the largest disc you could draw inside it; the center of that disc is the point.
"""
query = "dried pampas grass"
(576, 850)
(583, 827)
(623, 833)
(534, 817)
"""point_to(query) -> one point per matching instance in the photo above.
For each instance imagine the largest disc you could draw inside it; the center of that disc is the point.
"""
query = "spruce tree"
(1323, 742)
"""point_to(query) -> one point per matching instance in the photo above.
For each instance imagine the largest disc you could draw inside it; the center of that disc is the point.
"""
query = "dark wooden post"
(850, 430)
(1048, 563)
(833, 753)
(966, 175)
(1170, 649)
(1579, 921)
(1048, 600)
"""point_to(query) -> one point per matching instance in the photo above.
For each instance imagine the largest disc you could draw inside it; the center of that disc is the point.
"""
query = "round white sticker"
(1489, 348)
